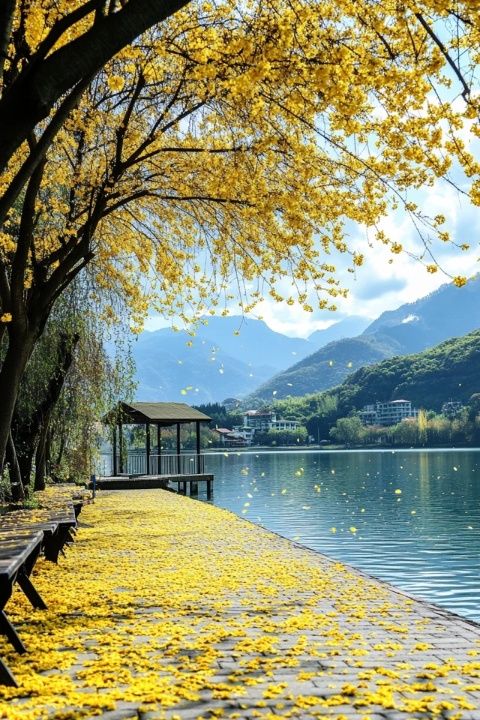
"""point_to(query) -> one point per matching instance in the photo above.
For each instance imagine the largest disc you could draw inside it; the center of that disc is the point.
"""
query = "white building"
(388, 413)
(255, 421)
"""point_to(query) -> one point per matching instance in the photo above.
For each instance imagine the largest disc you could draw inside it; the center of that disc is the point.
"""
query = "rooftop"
(161, 413)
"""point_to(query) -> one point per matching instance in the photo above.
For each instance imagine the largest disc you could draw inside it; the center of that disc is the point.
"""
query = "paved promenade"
(170, 608)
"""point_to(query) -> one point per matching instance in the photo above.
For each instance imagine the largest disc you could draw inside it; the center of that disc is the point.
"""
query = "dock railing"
(185, 464)
(136, 464)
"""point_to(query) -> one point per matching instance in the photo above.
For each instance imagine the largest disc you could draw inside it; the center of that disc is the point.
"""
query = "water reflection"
(409, 517)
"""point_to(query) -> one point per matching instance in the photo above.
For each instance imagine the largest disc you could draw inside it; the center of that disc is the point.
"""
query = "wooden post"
(147, 446)
(209, 489)
(114, 450)
(120, 445)
(178, 448)
(197, 459)
(159, 448)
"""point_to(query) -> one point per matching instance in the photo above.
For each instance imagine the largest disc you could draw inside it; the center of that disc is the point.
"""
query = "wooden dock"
(180, 483)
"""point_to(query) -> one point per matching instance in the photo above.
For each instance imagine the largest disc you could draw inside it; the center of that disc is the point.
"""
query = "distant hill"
(169, 369)
(446, 313)
(253, 342)
(324, 369)
(228, 357)
(346, 328)
(449, 371)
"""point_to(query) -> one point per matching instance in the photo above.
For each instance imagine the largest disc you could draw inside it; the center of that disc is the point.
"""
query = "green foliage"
(447, 372)
(221, 417)
(348, 431)
(317, 412)
(277, 438)
(326, 368)
(428, 429)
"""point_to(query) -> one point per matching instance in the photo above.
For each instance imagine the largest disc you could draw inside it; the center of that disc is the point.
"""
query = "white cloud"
(385, 281)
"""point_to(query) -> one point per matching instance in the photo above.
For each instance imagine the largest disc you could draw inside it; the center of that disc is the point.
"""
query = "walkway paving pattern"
(170, 608)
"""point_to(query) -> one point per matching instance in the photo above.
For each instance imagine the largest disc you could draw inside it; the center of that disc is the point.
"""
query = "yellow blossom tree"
(230, 143)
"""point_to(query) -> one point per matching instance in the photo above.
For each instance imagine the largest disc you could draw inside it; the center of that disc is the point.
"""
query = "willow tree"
(229, 144)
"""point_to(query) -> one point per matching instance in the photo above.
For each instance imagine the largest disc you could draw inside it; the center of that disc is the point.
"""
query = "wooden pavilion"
(181, 467)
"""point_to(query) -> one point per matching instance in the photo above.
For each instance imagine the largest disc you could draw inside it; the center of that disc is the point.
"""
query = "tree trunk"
(61, 450)
(20, 348)
(44, 412)
(16, 484)
(40, 460)
(25, 457)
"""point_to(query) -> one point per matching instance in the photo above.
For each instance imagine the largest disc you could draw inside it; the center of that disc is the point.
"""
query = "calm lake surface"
(409, 517)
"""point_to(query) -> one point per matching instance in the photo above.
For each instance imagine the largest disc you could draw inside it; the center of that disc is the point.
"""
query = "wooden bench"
(24, 534)
(57, 526)
(19, 550)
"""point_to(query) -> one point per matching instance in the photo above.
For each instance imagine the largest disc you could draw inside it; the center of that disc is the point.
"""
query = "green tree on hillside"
(348, 431)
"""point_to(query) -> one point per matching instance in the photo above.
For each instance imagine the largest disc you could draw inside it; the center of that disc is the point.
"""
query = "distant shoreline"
(252, 449)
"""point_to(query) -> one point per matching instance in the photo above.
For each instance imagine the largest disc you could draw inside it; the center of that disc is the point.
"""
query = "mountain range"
(448, 312)
(227, 356)
(242, 357)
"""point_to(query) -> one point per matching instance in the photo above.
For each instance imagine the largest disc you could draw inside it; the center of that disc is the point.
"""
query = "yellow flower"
(115, 83)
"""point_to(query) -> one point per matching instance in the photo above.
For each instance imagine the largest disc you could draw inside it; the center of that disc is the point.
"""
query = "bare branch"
(445, 53)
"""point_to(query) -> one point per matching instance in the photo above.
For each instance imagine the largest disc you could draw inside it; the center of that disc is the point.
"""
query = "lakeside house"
(230, 438)
(254, 422)
(388, 413)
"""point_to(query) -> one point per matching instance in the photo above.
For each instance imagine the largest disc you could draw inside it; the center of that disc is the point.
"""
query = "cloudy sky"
(378, 285)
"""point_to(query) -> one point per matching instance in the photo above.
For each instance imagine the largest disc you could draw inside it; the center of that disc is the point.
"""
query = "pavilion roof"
(161, 413)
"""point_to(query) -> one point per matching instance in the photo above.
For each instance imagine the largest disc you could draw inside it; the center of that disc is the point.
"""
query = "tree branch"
(7, 11)
(25, 234)
(33, 94)
(39, 151)
(446, 55)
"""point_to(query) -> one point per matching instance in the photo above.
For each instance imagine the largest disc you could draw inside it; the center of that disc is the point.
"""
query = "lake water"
(409, 517)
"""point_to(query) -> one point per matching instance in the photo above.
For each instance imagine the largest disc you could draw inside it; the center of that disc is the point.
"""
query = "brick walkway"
(199, 614)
